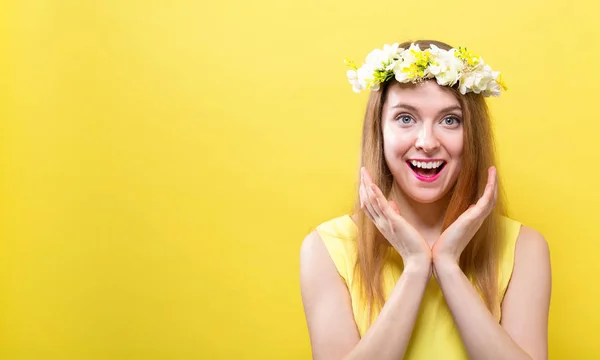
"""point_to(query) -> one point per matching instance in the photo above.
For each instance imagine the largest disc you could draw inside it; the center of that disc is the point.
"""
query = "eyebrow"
(412, 108)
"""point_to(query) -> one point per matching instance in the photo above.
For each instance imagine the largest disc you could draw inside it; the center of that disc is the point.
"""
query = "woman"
(427, 266)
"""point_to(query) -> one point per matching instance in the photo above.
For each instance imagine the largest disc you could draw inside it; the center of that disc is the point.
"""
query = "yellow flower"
(500, 82)
(351, 64)
(467, 56)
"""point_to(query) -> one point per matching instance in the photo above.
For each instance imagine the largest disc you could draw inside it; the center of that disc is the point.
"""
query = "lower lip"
(426, 178)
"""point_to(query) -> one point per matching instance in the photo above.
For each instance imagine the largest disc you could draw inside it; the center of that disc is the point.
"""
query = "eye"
(404, 119)
(451, 121)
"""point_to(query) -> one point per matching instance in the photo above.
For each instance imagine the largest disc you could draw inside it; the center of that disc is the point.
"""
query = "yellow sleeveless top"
(435, 335)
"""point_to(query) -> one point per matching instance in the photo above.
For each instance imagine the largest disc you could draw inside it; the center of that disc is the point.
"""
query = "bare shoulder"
(312, 246)
(532, 258)
(313, 253)
(326, 301)
(526, 304)
(316, 266)
(531, 244)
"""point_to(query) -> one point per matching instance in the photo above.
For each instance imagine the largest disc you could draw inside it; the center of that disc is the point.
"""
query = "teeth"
(426, 164)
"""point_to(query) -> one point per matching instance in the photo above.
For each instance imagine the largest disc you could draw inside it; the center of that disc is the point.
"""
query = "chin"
(425, 196)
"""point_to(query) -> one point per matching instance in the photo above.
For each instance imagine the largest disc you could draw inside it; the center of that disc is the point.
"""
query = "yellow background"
(161, 162)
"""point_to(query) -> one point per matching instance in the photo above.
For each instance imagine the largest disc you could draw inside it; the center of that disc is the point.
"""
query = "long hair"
(480, 259)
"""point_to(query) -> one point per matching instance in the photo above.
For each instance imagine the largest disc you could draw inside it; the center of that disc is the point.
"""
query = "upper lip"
(426, 160)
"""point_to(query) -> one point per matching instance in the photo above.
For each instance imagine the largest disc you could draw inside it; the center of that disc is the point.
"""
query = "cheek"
(396, 142)
(454, 144)
(457, 149)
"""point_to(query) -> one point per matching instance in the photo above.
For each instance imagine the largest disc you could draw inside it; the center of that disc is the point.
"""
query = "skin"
(410, 219)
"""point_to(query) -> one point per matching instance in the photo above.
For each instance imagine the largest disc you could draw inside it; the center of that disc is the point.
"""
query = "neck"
(424, 217)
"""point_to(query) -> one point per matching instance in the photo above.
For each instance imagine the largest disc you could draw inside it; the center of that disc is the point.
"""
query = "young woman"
(427, 266)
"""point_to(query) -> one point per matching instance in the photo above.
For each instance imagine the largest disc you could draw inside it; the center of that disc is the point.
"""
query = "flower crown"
(414, 65)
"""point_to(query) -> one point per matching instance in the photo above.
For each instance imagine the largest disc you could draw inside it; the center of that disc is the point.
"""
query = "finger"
(363, 196)
(360, 197)
(394, 207)
(383, 204)
(496, 187)
(391, 210)
(363, 200)
(484, 204)
(372, 201)
(368, 211)
(367, 176)
(378, 201)
(360, 190)
(374, 190)
(362, 181)
(368, 203)
(371, 195)
(489, 187)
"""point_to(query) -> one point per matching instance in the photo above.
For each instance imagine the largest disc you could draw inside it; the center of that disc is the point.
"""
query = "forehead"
(425, 95)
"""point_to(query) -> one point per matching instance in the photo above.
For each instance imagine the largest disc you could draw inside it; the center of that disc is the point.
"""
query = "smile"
(426, 170)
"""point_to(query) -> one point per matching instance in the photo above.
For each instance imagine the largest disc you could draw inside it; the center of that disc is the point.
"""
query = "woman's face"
(422, 139)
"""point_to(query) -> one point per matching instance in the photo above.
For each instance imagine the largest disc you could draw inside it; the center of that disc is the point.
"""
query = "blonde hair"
(480, 258)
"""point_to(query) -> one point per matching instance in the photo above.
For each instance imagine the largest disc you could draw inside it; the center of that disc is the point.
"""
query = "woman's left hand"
(457, 236)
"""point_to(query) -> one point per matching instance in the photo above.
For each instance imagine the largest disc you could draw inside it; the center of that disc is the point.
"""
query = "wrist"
(418, 266)
(445, 265)
(444, 259)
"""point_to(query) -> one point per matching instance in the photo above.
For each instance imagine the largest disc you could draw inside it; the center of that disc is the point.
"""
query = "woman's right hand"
(384, 213)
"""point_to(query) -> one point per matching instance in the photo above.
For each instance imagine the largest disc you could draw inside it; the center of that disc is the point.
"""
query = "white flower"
(402, 75)
(353, 79)
(362, 78)
(365, 77)
(446, 68)
(408, 56)
(493, 89)
(448, 77)
(365, 73)
(402, 66)
(481, 80)
(380, 59)
(436, 66)
(392, 51)
(376, 58)
(466, 82)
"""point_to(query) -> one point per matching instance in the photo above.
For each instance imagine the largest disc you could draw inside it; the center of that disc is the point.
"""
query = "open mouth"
(426, 169)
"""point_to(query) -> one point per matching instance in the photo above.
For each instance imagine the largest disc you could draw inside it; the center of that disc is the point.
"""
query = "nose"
(426, 140)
